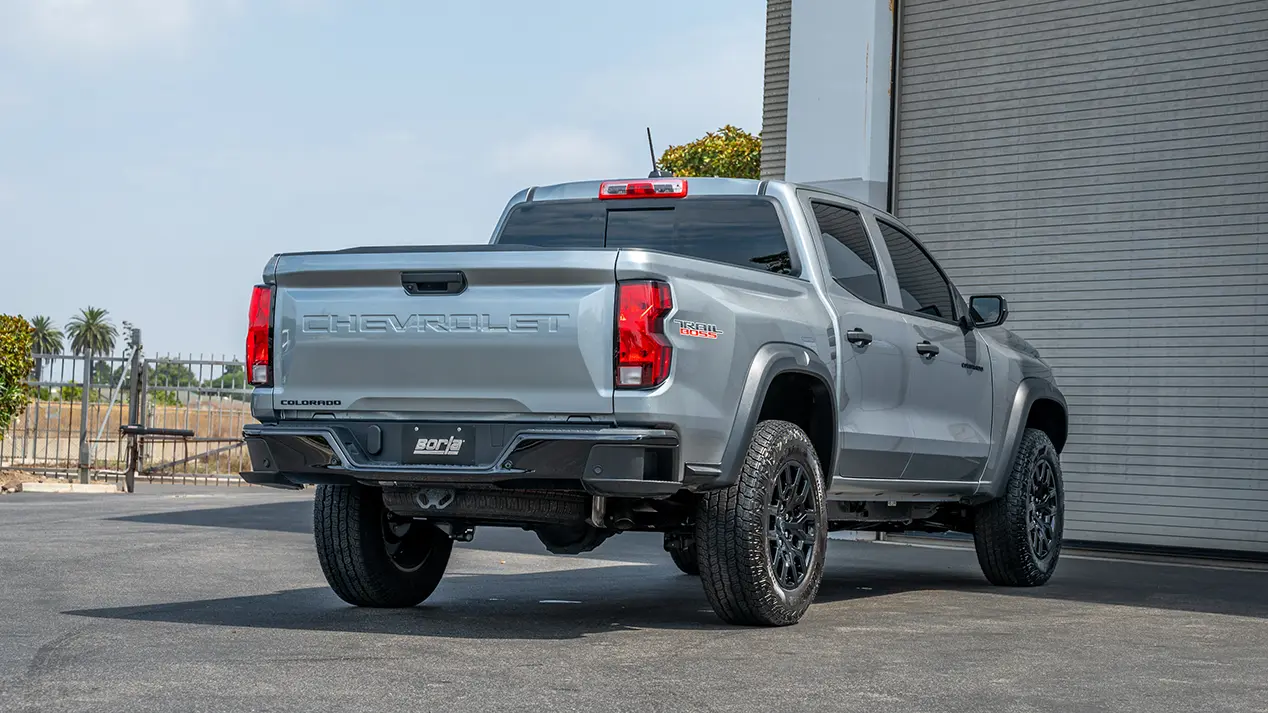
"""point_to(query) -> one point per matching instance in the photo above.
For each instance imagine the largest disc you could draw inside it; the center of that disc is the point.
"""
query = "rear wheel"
(682, 550)
(371, 557)
(1018, 535)
(762, 542)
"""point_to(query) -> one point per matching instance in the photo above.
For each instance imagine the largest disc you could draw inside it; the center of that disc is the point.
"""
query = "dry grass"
(11, 480)
(111, 456)
(226, 463)
(47, 436)
(208, 419)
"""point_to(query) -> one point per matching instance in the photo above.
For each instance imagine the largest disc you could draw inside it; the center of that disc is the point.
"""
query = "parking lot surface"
(211, 599)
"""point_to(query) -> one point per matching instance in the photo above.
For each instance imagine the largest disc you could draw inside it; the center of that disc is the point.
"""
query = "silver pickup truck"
(741, 365)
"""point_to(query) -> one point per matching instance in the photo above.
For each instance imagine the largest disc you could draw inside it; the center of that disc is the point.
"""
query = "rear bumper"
(609, 461)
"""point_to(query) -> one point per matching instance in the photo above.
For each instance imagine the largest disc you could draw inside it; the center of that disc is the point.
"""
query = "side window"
(921, 285)
(851, 261)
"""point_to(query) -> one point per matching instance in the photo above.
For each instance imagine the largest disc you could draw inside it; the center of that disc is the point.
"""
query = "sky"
(155, 153)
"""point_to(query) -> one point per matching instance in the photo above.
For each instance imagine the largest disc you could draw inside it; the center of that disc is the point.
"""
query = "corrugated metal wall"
(1104, 164)
(775, 87)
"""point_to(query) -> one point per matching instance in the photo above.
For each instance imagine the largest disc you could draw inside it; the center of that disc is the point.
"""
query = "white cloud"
(694, 82)
(12, 101)
(557, 155)
(89, 30)
(8, 192)
(97, 27)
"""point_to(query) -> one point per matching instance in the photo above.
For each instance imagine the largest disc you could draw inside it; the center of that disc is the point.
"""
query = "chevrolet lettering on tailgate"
(445, 323)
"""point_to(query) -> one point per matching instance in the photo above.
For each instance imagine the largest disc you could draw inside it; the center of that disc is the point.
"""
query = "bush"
(163, 398)
(70, 392)
(729, 152)
(16, 366)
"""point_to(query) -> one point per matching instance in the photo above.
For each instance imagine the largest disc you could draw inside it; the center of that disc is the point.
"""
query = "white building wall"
(839, 79)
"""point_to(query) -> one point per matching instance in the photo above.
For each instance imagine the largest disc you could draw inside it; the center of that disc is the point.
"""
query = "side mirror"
(988, 310)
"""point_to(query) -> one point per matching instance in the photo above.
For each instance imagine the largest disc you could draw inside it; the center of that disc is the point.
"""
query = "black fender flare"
(770, 361)
(1000, 464)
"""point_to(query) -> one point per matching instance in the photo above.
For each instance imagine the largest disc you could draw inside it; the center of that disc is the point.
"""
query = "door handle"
(928, 350)
(859, 337)
(434, 283)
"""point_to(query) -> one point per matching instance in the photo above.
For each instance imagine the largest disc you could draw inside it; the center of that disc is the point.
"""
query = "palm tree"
(47, 339)
(91, 332)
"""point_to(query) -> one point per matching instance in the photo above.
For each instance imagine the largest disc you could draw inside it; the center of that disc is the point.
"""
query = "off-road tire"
(733, 550)
(1001, 531)
(352, 546)
(685, 558)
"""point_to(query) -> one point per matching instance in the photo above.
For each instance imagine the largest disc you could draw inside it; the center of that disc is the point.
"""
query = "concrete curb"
(857, 535)
(72, 488)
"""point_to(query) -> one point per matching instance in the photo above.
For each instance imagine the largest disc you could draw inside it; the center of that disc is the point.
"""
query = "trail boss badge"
(702, 330)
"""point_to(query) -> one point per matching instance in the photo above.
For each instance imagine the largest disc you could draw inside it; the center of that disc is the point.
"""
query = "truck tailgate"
(461, 330)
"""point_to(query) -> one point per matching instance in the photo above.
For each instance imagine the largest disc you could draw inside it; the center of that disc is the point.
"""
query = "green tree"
(171, 373)
(163, 398)
(91, 331)
(234, 377)
(103, 375)
(15, 368)
(729, 152)
(167, 381)
(46, 339)
(73, 392)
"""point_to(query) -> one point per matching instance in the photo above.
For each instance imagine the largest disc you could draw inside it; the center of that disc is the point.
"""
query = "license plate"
(439, 445)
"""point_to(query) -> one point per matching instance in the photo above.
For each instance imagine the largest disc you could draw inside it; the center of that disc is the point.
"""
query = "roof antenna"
(656, 172)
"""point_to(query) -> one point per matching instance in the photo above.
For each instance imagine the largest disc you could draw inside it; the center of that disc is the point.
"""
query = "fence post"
(143, 415)
(134, 411)
(35, 436)
(134, 388)
(83, 419)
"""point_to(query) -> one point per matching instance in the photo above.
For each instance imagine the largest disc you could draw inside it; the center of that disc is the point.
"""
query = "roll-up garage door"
(1104, 165)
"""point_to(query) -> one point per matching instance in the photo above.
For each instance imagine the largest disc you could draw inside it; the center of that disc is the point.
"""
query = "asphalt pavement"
(211, 599)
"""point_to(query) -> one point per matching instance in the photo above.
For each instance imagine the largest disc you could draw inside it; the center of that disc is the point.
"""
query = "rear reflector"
(655, 188)
(643, 351)
(259, 343)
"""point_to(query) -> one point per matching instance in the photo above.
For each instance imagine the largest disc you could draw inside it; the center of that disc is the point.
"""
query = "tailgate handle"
(434, 283)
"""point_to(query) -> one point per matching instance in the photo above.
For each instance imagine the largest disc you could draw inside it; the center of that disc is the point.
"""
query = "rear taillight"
(642, 350)
(259, 346)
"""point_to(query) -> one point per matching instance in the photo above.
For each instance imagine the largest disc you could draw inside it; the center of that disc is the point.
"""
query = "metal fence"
(174, 418)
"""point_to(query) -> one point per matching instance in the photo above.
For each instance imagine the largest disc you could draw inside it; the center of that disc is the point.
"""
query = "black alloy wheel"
(1041, 509)
(792, 525)
(408, 542)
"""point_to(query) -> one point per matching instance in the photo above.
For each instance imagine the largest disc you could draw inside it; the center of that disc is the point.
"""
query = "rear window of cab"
(738, 231)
